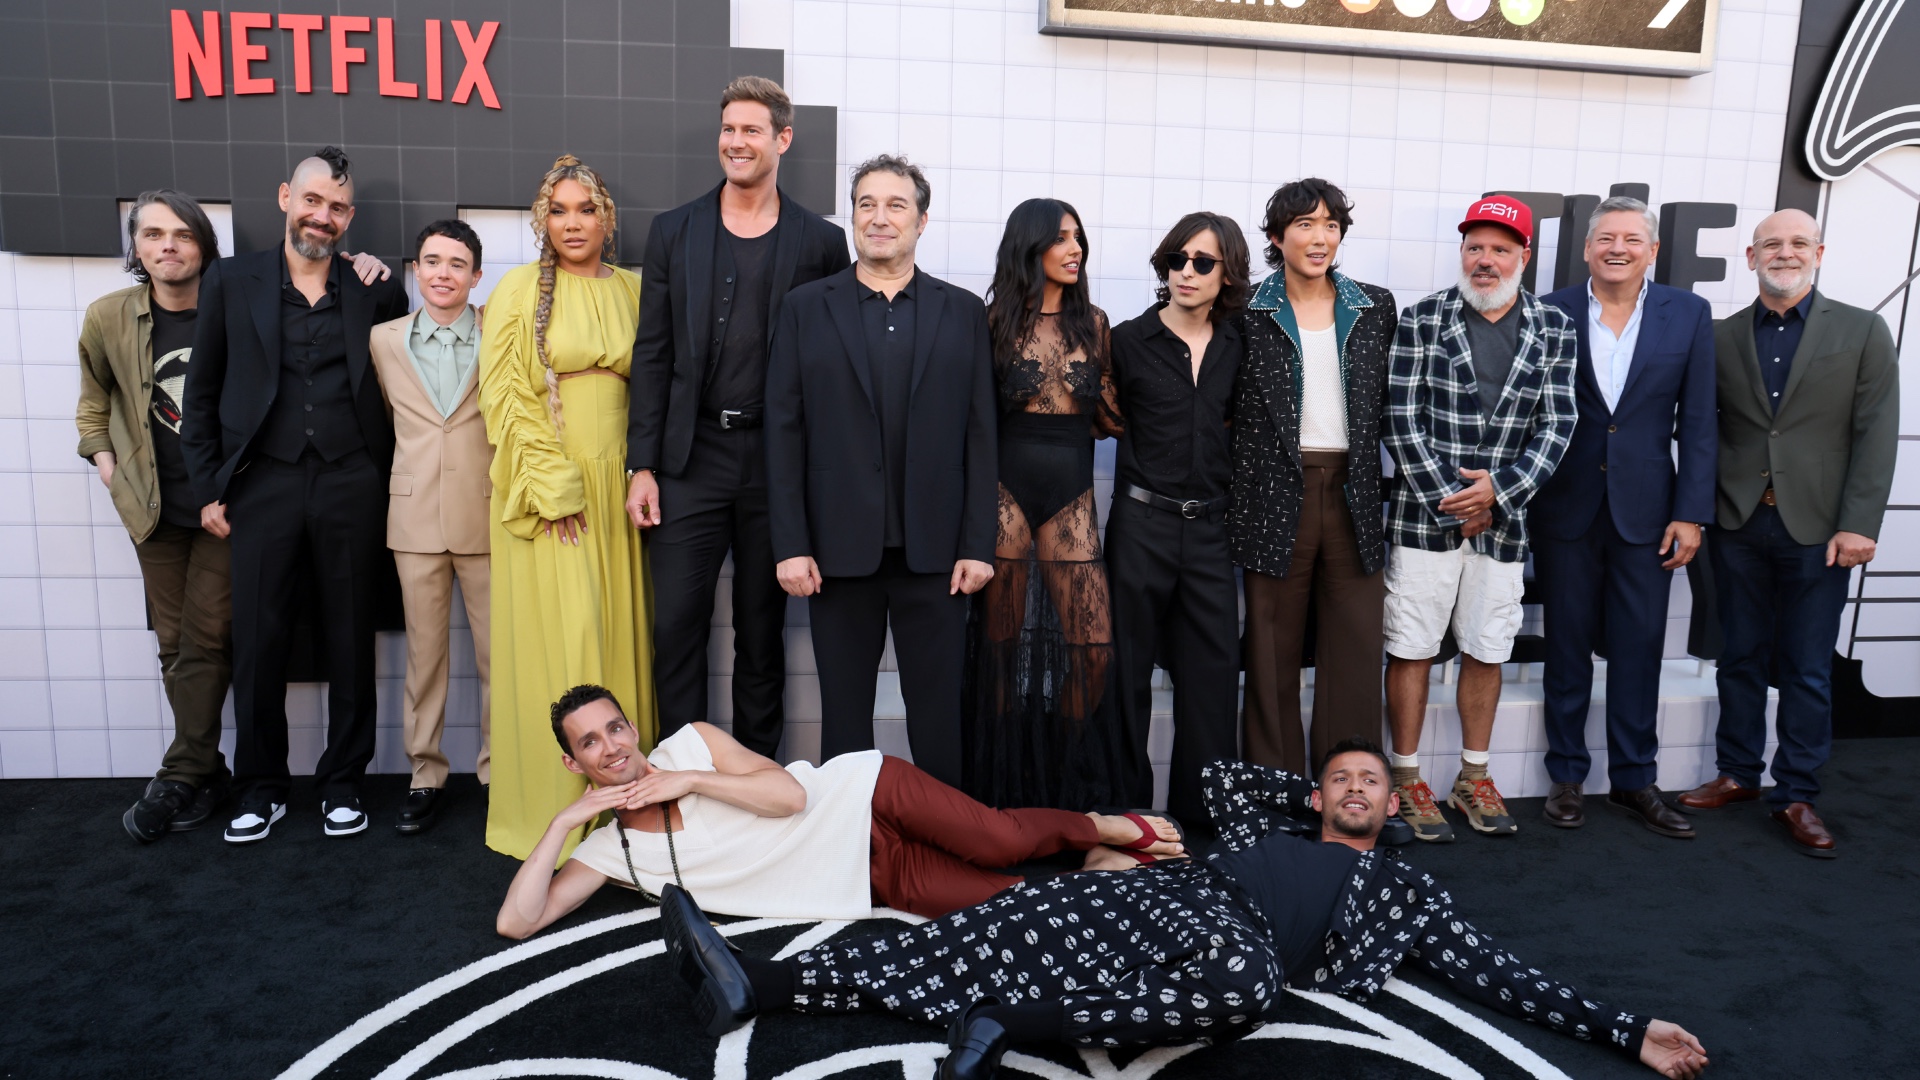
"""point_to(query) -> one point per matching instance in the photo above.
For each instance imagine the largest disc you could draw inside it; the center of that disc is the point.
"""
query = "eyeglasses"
(1175, 261)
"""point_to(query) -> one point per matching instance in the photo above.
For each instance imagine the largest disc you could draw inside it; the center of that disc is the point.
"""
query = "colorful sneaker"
(1422, 814)
(1486, 811)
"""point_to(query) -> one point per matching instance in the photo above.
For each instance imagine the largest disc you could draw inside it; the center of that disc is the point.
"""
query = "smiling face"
(1786, 254)
(165, 245)
(749, 147)
(1309, 243)
(1355, 796)
(1061, 262)
(318, 208)
(575, 227)
(887, 221)
(606, 748)
(1620, 248)
(445, 272)
(1491, 259)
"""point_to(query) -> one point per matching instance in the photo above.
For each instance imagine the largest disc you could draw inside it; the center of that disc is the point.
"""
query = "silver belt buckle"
(727, 417)
(1190, 509)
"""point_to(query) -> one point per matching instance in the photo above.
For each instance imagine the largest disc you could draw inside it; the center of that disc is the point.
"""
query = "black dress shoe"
(164, 800)
(1653, 812)
(420, 811)
(1565, 807)
(1395, 832)
(722, 997)
(975, 1044)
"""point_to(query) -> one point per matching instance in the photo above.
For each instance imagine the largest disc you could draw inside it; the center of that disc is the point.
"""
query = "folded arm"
(739, 778)
(1248, 802)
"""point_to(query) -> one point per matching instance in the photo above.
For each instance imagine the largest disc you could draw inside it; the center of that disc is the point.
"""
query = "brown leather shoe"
(1565, 807)
(1808, 832)
(1652, 811)
(1717, 793)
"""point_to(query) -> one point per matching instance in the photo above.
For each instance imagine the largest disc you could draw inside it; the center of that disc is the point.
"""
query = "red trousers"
(935, 850)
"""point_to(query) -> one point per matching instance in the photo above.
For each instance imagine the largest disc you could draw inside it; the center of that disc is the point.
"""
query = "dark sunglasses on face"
(1175, 261)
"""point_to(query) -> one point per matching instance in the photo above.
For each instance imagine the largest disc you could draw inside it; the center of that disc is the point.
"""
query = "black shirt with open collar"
(1178, 440)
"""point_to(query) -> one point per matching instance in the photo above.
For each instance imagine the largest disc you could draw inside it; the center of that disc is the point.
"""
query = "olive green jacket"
(116, 392)
(1828, 453)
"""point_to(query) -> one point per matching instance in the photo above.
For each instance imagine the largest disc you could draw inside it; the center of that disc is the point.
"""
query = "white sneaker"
(254, 821)
(343, 816)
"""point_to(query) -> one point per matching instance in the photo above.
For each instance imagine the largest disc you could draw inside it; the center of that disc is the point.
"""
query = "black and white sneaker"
(342, 816)
(254, 821)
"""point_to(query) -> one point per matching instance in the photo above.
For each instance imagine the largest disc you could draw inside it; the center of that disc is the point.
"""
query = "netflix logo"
(202, 55)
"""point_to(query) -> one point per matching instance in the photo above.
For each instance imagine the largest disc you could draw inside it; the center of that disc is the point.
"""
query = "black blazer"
(673, 346)
(825, 479)
(1268, 484)
(236, 365)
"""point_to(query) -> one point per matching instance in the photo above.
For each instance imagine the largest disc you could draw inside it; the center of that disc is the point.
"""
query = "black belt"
(734, 419)
(1186, 508)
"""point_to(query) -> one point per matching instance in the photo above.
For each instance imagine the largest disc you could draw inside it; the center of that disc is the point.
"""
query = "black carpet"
(193, 958)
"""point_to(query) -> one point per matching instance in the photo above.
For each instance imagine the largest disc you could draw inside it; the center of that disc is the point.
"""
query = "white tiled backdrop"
(1132, 133)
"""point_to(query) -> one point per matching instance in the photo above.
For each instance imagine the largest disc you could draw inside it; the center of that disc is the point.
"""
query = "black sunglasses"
(1175, 261)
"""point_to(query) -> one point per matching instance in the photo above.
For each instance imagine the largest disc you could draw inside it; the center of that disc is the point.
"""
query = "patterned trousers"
(1168, 953)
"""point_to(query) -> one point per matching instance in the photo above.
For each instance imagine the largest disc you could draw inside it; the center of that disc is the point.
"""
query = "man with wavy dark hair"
(1168, 564)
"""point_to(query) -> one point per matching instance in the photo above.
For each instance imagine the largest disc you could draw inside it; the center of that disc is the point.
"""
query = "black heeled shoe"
(975, 1044)
(722, 998)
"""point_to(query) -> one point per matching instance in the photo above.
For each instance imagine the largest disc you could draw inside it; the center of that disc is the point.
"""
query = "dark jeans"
(327, 520)
(850, 617)
(1780, 607)
(190, 603)
(719, 505)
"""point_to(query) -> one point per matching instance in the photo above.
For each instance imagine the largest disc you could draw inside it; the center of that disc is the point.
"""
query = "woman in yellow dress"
(569, 589)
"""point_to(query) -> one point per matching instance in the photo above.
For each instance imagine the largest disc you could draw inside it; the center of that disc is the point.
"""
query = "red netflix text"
(198, 56)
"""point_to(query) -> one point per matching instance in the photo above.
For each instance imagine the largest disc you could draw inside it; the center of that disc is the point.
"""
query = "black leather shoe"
(420, 811)
(1395, 832)
(975, 1044)
(722, 998)
(164, 800)
(1565, 807)
(1652, 811)
(206, 802)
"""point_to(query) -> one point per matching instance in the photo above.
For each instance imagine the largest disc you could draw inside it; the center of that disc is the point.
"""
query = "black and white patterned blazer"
(1267, 482)
(1390, 914)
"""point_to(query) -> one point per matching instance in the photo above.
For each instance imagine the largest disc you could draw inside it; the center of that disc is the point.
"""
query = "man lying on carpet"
(756, 839)
(1181, 951)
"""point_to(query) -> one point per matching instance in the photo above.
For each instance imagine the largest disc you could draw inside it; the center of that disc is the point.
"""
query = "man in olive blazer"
(1809, 425)
(437, 496)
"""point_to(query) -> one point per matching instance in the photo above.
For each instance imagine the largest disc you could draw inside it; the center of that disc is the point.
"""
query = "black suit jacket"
(825, 477)
(236, 365)
(673, 348)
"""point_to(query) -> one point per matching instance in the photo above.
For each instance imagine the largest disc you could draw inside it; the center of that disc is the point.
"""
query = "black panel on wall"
(88, 114)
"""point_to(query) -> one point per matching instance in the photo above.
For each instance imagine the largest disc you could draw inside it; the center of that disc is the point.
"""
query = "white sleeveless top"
(809, 865)
(1323, 412)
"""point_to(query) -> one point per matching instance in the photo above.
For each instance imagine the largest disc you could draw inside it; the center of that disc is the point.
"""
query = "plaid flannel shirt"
(1435, 427)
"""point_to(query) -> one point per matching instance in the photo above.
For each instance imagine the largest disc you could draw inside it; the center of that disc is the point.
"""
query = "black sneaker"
(206, 803)
(342, 816)
(255, 819)
(163, 801)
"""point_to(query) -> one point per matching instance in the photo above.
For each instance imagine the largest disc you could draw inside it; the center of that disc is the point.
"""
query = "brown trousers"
(1348, 634)
(190, 603)
(426, 591)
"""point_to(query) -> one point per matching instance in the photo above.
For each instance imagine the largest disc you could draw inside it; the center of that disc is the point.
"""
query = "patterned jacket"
(1390, 914)
(1435, 427)
(1267, 482)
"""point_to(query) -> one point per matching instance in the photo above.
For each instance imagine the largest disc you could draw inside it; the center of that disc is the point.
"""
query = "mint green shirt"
(444, 356)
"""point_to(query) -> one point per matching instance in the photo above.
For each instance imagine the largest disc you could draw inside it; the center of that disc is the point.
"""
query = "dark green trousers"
(190, 604)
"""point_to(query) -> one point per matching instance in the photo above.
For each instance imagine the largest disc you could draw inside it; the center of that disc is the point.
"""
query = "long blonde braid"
(565, 167)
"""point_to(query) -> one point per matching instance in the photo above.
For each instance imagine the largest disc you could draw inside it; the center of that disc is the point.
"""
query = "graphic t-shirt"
(172, 349)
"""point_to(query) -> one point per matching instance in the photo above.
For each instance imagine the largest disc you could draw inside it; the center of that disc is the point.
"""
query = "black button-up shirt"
(1775, 339)
(743, 296)
(314, 403)
(1177, 440)
(889, 325)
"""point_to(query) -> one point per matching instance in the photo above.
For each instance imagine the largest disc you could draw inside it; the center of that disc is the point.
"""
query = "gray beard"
(309, 249)
(1504, 294)
(1800, 283)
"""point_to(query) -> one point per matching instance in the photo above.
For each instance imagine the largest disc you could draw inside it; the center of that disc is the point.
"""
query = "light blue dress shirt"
(444, 356)
(1612, 356)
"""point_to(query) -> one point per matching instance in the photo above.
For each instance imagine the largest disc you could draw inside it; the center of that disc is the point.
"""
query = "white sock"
(1476, 757)
(1404, 761)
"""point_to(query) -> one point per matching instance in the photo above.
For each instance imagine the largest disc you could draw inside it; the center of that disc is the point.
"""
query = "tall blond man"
(437, 497)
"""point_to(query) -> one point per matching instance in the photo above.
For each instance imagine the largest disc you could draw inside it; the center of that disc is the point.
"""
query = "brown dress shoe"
(1717, 793)
(1652, 811)
(1809, 833)
(1565, 807)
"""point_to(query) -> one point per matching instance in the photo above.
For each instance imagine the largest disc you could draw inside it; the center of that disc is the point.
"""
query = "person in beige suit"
(438, 495)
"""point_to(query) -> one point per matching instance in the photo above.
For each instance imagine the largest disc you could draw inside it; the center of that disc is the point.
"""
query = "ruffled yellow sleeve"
(532, 479)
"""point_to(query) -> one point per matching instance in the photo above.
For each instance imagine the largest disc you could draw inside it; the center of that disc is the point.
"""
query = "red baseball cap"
(1501, 210)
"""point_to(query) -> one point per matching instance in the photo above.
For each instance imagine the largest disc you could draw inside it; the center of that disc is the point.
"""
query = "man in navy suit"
(1618, 517)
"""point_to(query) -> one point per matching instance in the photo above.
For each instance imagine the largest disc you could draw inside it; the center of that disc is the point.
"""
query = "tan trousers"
(426, 591)
(1348, 635)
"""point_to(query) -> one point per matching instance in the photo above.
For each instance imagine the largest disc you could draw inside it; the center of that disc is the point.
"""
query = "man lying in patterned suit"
(1181, 951)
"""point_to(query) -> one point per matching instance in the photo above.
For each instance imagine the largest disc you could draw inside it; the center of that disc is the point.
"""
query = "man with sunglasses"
(1169, 569)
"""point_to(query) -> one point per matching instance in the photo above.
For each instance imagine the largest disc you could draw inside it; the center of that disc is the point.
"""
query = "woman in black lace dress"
(1041, 731)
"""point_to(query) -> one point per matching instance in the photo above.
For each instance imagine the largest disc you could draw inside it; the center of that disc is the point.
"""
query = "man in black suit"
(880, 463)
(286, 432)
(717, 271)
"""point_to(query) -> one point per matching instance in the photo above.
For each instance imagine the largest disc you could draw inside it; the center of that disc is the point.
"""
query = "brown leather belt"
(1767, 497)
(565, 375)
